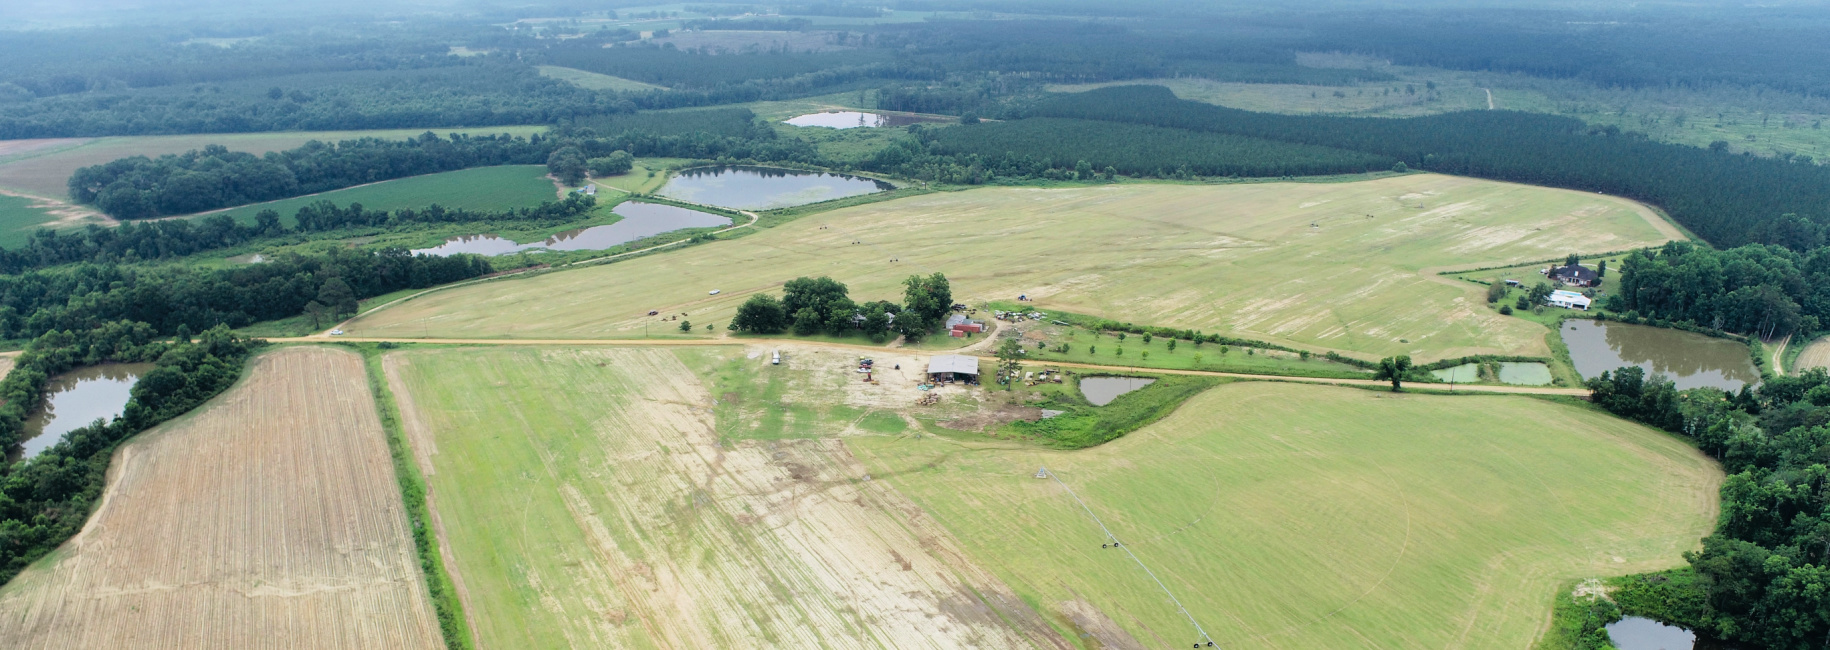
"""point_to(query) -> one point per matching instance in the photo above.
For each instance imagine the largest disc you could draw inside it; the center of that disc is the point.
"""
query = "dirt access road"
(320, 338)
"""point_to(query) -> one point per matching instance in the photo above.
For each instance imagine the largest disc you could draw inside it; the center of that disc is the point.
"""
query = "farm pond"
(1690, 360)
(1102, 390)
(1636, 633)
(765, 188)
(76, 398)
(855, 119)
(1517, 373)
(639, 220)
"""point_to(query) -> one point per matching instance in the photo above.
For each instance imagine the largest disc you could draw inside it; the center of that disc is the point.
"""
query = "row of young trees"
(811, 306)
(1758, 290)
(46, 499)
(1763, 577)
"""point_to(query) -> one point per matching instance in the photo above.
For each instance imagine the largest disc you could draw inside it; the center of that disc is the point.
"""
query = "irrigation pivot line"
(1140, 563)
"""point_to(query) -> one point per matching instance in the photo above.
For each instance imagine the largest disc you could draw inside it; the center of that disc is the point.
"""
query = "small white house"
(1568, 300)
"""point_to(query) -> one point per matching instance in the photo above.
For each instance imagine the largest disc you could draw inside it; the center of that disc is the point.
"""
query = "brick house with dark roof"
(1575, 275)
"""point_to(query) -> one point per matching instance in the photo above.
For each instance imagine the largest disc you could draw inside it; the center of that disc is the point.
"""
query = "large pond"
(639, 220)
(765, 188)
(77, 398)
(855, 119)
(1102, 390)
(1689, 360)
(1636, 633)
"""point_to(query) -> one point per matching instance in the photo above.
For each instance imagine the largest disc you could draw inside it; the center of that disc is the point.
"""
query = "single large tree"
(1010, 357)
(1393, 369)
(336, 295)
(931, 297)
(818, 294)
(761, 314)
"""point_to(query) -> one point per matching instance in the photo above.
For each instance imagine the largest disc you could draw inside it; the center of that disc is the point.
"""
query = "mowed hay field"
(45, 171)
(1296, 263)
(268, 519)
(587, 499)
(1287, 516)
(479, 188)
(1815, 355)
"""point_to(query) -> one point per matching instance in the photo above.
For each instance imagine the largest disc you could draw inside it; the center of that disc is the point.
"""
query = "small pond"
(1690, 360)
(1636, 633)
(1524, 373)
(1102, 390)
(1462, 374)
(639, 220)
(76, 398)
(765, 188)
(855, 119)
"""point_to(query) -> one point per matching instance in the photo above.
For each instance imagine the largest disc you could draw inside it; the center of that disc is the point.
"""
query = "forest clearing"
(269, 518)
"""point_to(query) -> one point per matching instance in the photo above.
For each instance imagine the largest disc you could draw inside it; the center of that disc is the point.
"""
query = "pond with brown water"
(77, 398)
(1688, 359)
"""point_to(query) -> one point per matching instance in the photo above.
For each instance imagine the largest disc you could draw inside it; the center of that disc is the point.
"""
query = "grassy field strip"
(267, 518)
(588, 500)
(1140, 563)
(1321, 266)
(479, 188)
(1287, 516)
(1522, 390)
(1816, 354)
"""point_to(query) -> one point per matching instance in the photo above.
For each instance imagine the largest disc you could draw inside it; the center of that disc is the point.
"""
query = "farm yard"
(589, 499)
(1318, 266)
(269, 518)
(1290, 516)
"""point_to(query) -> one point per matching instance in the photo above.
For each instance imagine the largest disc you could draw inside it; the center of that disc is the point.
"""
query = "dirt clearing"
(270, 518)
(590, 502)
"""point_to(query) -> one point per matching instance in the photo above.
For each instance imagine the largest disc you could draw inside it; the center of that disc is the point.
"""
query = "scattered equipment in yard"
(776, 359)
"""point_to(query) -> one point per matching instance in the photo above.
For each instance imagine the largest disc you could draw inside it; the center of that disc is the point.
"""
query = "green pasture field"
(1320, 266)
(19, 217)
(479, 188)
(648, 175)
(47, 172)
(1287, 516)
(593, 80)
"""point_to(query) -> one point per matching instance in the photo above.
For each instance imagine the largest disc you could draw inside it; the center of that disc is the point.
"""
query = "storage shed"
(950, 367)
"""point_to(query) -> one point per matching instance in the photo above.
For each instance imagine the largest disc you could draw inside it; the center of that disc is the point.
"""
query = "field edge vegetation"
(452, 622)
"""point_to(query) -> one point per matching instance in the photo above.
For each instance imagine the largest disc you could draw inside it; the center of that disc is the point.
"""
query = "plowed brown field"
(269, 519)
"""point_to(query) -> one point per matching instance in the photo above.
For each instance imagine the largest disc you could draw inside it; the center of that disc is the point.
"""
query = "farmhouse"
(1575, 275)
(1568, 300)
(950, 367)
(959, 325)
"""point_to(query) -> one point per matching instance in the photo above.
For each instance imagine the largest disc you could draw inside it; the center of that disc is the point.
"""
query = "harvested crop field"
(588, 499)
(1324, 266)
(1287, 516)
(270, 518)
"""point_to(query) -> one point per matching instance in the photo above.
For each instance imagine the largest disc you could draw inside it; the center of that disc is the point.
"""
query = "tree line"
(1032, 147)
(214, 177)
(1729, 200)
(1763, 577)
(811, 306)
(1759, 290)
(131, 242)
(169, 297)
(46, 499)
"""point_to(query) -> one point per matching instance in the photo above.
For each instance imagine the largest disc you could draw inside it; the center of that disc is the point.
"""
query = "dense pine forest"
(1728, 200)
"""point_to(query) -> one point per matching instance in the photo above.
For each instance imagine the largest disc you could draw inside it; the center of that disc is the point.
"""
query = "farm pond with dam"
(1688, 359)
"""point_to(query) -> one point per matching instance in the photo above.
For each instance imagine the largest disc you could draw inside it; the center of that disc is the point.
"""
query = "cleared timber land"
(270, 518)
(1325, 266)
